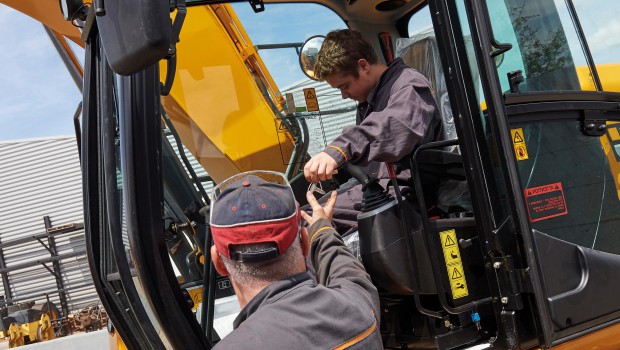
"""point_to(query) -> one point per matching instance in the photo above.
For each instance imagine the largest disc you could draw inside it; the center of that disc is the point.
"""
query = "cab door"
(541, 160)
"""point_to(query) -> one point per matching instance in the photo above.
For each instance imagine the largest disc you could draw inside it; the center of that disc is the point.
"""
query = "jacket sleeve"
(337, 267)
(390, 134)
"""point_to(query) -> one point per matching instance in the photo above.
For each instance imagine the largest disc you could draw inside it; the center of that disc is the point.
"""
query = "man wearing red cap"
(261, 244)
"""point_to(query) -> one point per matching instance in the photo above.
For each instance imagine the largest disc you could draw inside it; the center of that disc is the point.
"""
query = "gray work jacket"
(399, 115)
(341, 311)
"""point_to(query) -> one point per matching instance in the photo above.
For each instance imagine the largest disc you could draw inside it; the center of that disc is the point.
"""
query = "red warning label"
(545, 202)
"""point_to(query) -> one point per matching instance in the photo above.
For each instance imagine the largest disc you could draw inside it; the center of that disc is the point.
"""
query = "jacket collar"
(270, 294)
(393, 68)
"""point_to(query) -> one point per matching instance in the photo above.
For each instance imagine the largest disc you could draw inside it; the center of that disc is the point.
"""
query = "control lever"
(358, 173)
(374, 194)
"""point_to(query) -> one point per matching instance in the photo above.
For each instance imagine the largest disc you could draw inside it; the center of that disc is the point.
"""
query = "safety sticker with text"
(312, 103)
(545, 202)
(451, 253)
(519, 144)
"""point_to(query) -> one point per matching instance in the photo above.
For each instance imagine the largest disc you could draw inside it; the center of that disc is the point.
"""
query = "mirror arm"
(175, 32)
(177, 24)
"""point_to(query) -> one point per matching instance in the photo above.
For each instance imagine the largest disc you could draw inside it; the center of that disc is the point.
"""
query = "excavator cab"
(527, 259)
(524, 252)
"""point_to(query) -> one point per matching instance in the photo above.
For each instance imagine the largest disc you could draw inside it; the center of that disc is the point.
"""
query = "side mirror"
(135, 34)
(73, 9)
(308, 54)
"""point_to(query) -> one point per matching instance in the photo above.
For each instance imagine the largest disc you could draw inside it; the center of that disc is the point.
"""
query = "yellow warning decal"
(196, 294)
(312, 104)
(454, 266)
(519, 143)
(280, 126)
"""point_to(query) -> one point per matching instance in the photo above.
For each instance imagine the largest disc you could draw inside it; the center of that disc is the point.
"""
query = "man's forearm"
(336, 266)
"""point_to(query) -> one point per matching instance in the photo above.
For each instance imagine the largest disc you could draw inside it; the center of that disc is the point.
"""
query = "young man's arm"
(390, 134)
(335, 265)
(410, 118)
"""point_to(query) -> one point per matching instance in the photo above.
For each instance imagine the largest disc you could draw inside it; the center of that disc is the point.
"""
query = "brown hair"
(341, 51)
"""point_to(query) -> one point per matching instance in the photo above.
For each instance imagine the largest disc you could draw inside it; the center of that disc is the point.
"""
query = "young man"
(396, 112)
(261, 245)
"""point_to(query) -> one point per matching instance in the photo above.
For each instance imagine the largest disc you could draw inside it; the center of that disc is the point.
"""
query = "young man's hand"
(320, 167)
(318, 212)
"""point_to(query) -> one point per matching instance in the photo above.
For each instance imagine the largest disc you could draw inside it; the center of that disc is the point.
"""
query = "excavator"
(519, 247)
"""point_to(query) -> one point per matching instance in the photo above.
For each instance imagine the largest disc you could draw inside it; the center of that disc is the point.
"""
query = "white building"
(42, 178)
(335, 112)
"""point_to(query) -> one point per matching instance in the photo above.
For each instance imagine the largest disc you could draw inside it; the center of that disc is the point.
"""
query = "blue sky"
(274, 26)
(38, 97)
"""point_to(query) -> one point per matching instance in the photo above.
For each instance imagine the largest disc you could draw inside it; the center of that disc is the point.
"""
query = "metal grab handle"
(501, 47)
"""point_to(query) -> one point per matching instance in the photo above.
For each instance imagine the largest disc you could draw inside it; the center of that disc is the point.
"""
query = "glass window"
(571, 183)
(286, 24)
(598, 19)
(541, 48)
(545, 42)
(294, 24)
(228, 94)
(488, 151)
(419, 21)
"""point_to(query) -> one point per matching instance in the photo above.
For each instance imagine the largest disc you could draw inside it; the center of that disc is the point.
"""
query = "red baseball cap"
(254, 207)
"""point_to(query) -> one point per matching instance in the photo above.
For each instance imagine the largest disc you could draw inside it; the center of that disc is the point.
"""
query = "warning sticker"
(290, 103)
(312, 104)
(519, 144)
(545, 202)
(454, 266)
(196, 294)
(281, 126)
(288, 130)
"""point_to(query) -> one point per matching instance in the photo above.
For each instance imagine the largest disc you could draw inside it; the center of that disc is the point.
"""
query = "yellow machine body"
(220, 113)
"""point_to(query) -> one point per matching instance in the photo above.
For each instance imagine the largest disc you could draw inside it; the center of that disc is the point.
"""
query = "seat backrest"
(420, 51)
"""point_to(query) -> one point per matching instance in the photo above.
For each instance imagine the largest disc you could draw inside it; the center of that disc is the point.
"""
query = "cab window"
(273, 27)
(546, 46)
(598, 22)
(569, 178)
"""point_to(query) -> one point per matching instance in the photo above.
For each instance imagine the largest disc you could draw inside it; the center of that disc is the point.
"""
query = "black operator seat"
(420, 51)
(441, 170)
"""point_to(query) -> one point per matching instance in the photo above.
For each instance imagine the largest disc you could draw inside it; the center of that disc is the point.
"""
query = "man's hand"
(320, 167)
(318, 212)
